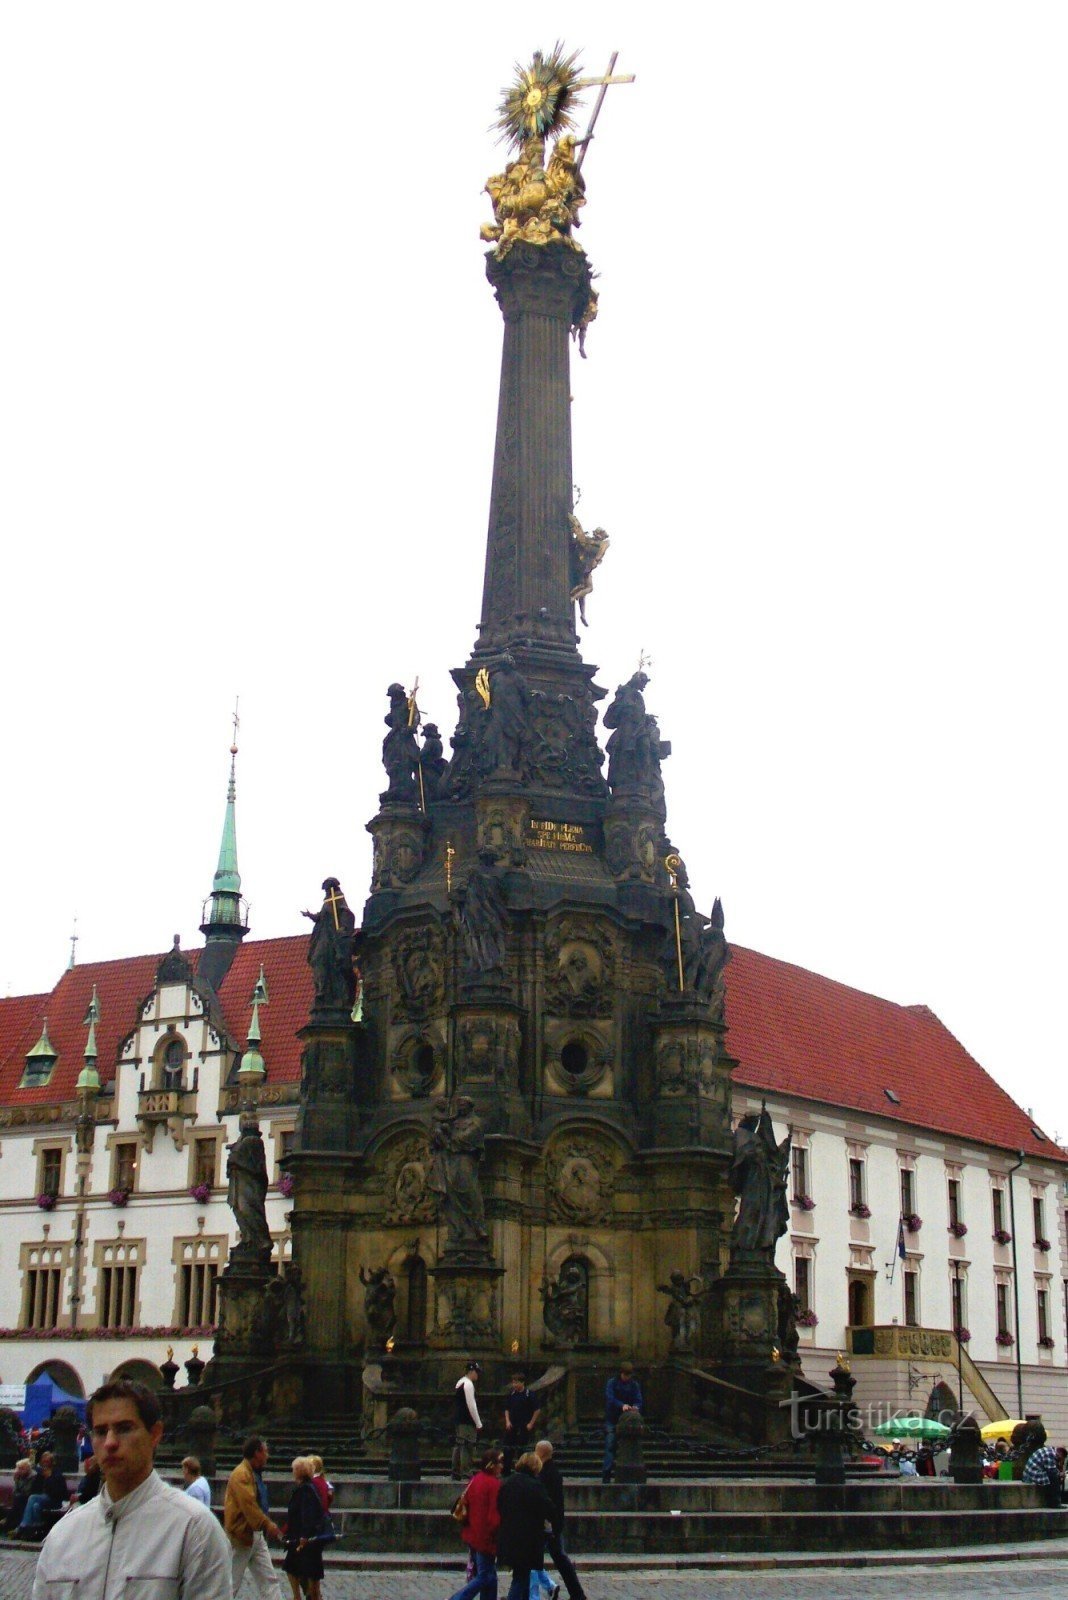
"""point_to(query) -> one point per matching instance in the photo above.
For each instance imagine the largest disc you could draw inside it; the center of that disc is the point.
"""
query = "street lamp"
(958, 1323)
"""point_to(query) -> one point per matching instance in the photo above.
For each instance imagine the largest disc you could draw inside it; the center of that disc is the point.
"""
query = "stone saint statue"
(331, 951)
(683, 1315)
(628, 744)
(481, 917)
(293, 1302)
(505, 719)
(758, 1177)
(457, 1146)
(566, 1304)
(380, 1293)
(400, 752)
(246, 1176)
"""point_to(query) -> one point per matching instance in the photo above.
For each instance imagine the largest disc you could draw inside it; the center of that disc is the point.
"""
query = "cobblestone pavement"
(1043, 1576)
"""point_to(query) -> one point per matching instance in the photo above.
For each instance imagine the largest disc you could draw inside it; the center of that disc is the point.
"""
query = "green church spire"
(224, 922)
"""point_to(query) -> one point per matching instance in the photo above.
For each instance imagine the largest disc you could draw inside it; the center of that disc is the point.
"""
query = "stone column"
(543, 292)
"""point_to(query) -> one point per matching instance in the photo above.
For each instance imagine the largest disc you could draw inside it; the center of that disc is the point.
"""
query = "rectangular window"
(803, 1282)
(856, 1182)
(908, 1197)
(1038, 1211)
(41, 1293)
(912, 1297)
(799, 1160)
(197, 1293)
(118, 1295)
(1043, 1314)
(205, 1162)
(51, 1171)
(954, 1202)
(957, 1295)
(126, 1166)
(1001, 1304)
(998, 1197)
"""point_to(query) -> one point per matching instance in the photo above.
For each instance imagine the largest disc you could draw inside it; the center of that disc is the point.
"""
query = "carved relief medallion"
(419, 968)
(581, 1177)
(407, 1198)
(579, 968)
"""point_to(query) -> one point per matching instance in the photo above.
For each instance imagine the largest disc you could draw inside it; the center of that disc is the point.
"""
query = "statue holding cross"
(331, 951)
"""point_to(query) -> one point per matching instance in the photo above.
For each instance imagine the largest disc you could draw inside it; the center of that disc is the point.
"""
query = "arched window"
(415, 1310)
(62, 1375)
(173, 1063)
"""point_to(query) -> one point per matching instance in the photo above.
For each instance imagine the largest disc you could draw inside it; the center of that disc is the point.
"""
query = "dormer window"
(39, 1062)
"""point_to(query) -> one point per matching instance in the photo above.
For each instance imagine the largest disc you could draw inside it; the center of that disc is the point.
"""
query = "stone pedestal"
(692, 1076)
(400, 834)
(485, 1042)
(329, 1109)
(467, 1311)
(744, 1319)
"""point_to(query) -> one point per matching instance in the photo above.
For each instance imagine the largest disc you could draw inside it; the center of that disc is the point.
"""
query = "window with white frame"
(803, 1283)
(799, 1171)
(856, 1183)
(910, 1279)
(1042, 1307)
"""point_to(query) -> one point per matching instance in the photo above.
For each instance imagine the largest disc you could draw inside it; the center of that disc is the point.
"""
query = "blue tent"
(42, 1398)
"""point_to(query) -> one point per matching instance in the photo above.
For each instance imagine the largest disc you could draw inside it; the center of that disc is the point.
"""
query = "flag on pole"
(901, 1238)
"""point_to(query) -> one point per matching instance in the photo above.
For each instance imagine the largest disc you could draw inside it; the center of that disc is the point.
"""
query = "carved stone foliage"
(632, 848)
(501, 826)
(686, 1064)
(419, 967)
(406, 1194)
(580, 960)
(564, 753)
(398, 854)
(487, 1050)
(465, 1309)
(581, 1179)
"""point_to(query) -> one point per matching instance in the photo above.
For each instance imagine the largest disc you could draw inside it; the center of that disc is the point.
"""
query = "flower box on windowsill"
(1005, 1339)
(862, 1211)
(1046, 1342)
(1042, 1244)
(913, 1223)
(958, 1229)
(46, 1202)
(1002, 1236)
(201, 1193)
(804, 1202)
(118, 1197)
(286, 1185)
(964, 1336)
(807, 1319)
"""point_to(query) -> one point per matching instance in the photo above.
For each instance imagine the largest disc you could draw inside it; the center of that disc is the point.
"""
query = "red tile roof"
(793, 1032)
(798, 1034)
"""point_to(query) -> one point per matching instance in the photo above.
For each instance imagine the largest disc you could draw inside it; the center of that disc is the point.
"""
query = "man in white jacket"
(138, 1535)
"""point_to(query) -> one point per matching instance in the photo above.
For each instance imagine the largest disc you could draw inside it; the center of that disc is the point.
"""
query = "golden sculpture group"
(533, 202)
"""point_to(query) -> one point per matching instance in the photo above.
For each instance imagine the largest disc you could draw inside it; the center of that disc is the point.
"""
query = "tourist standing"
(479, 1532)
(248, 1524)
(138, 1535)
(20, 1493)
(525, 1508)
(466, 1420)
(305, 1525)
(620, 1394)
(196, 1485)
(521, 1413)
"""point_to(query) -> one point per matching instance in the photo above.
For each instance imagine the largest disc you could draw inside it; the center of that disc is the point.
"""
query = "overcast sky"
(248, 380)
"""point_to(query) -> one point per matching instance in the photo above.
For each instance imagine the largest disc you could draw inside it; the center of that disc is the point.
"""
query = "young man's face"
(517, 1384)
(123, 1445)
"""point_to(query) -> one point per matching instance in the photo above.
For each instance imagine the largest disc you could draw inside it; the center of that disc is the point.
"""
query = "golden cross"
(588, 83)
(237, 724)
(412, 707)
(449, 853)
(333, 900)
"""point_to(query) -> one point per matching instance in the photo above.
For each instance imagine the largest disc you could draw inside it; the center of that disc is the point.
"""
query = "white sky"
(248, 378)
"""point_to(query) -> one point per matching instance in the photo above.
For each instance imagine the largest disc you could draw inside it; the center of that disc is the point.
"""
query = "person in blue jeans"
(48, 1492)
(620, 1394)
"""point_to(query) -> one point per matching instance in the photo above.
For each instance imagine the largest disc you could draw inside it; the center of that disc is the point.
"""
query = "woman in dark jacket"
(304, 1527)
(525, 1508)
(479, 1532)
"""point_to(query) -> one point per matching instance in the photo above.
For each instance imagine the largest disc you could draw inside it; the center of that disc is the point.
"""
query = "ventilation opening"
(575, 1058)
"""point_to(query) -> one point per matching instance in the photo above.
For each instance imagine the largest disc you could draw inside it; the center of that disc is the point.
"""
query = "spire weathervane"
(73, 942)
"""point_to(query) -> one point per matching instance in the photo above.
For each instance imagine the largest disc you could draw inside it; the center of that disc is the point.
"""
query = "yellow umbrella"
(1000, 1430)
